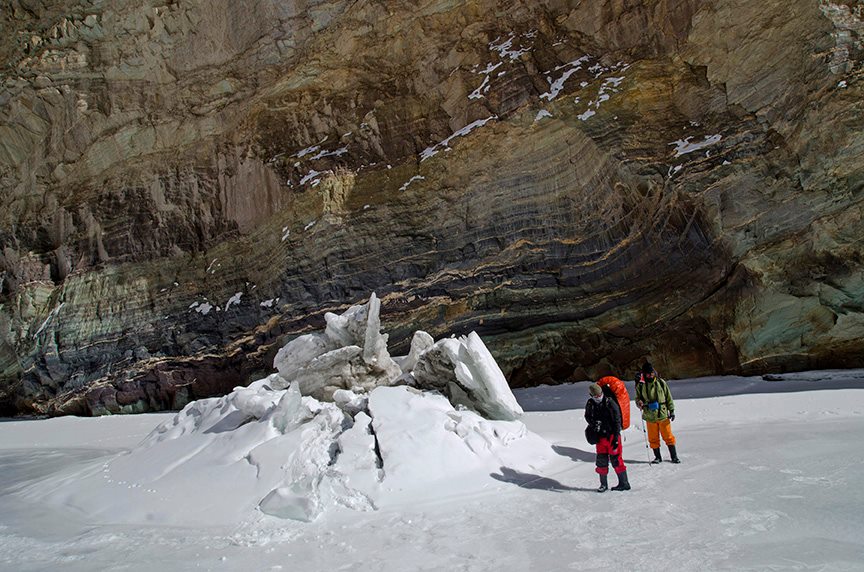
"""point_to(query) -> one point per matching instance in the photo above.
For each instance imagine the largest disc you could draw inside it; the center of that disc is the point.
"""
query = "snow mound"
(425, 442)
(341, 425)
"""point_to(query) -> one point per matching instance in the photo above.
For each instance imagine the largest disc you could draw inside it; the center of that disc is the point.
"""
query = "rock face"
(184, 184)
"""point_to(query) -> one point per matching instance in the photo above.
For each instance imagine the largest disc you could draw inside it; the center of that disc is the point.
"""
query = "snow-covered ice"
(770, 479)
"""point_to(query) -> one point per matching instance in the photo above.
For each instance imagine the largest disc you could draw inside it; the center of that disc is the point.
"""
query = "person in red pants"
(604, 430)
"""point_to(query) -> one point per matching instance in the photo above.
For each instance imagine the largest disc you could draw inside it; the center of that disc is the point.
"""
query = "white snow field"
(771, 479)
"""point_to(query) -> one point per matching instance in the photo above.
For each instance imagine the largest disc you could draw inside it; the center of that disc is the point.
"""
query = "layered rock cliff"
(185, 185)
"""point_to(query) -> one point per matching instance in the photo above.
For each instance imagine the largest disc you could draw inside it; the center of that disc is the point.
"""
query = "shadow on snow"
(579, 455)
(529, 481)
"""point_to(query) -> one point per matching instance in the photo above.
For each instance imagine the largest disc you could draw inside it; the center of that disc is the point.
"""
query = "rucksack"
(615, 388)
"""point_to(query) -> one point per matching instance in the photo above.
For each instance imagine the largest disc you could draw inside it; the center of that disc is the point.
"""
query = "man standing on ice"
(658, 410)
(604, 421)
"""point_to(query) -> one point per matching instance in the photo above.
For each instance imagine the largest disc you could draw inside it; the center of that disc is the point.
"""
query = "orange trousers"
(660, 428)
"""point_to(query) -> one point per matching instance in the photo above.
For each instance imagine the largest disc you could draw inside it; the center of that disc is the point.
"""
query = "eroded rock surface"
(184, 185)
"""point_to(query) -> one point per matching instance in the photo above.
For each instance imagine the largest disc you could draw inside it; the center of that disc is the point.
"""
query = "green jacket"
(651, 391)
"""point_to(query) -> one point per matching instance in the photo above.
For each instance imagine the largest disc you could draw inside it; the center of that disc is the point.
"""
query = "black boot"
(604, 484)
(623, 483)
(657, 458)
(674, 454)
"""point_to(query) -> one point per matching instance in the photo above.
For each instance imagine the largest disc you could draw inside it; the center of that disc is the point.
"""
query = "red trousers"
(605, 452)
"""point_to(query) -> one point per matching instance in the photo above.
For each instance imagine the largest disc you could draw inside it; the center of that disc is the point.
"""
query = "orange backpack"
(621, 395)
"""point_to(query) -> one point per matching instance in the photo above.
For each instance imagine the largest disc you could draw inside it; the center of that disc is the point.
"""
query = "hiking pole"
(645, 435)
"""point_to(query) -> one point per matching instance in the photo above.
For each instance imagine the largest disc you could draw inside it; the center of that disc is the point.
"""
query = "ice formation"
(342, 423)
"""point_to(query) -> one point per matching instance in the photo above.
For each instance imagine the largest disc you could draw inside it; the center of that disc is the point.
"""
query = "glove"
(615, 442)
(671, 417)
(639, 404)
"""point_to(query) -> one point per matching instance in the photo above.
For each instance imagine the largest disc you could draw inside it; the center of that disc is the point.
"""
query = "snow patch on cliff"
(556, 85)
(202, 308)
(411, 180)
(434, 149)
(335, 153)
(505, 48)
(506, 52)
(233, 300)
(51, 315)
(542, 114)
(684, 146)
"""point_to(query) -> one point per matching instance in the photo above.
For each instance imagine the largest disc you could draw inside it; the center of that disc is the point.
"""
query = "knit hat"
(595, 390)
(647, 368)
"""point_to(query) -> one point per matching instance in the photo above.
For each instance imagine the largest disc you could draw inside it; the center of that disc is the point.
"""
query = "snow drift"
(342, 423)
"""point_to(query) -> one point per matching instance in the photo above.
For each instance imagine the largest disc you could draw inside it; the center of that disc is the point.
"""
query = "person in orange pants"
(654, 399)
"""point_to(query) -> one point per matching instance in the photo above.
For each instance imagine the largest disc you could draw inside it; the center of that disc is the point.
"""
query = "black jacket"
(605, 416)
